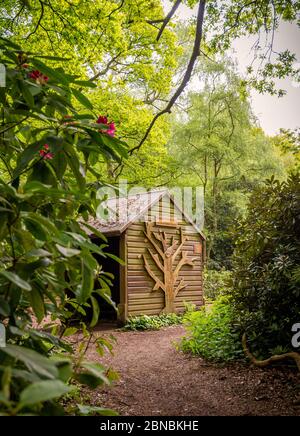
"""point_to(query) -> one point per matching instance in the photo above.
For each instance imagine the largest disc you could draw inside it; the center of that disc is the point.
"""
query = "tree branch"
(181, 285)
(116, 9)
(183, 239)
(183, 261)
(186, 77)
(168, 18)
(155, 257)
(106, 69)
(38, 22)
(275, 358)
(148, 235)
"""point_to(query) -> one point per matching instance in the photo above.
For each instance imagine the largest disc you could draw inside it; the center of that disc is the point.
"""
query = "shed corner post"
(123, 305)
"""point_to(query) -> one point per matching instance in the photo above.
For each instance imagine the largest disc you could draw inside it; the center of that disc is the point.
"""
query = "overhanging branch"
(168, 18)
(186, 77)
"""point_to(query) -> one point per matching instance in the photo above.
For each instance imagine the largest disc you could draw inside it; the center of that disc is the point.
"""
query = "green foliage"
(211, 333)
(288, 141)
(153, 322)
(266, 285)
(226, 22)
(216, 283)
(48, 187)
(116, 47)
(218, 146)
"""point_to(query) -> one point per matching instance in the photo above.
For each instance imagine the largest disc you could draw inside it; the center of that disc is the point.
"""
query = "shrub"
(211, 333)
(50, 144)
(266, 279)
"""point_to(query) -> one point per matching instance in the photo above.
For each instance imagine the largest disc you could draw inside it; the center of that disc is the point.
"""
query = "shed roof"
(123, 211)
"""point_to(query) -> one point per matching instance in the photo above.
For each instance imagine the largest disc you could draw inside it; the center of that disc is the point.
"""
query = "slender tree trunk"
(215, 194)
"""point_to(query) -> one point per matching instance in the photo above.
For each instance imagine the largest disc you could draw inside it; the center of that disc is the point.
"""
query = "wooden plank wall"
(140, 297)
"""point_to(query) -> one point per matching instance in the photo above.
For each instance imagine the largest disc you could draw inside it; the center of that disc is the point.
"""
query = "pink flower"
(111, 126)
(39, 77)
(49, 156)
(45, 153)
(111, 130)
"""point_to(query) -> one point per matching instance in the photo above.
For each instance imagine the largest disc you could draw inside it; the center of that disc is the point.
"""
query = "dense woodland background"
(70, 64)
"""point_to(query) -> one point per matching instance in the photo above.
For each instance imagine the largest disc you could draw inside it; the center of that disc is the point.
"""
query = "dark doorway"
(107, 312)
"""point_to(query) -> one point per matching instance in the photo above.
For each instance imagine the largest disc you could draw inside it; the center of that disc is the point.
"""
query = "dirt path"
(156, 379)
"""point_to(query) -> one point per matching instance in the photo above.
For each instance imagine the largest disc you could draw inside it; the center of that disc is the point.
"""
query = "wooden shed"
(163, 252)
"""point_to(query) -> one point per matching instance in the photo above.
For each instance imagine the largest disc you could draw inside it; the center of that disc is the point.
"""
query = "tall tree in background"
(220, 147)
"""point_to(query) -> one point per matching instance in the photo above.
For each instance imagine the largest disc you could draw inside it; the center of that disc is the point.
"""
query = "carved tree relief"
(164, 257)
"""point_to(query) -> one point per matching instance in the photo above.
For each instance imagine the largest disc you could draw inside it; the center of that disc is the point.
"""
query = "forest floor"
(157, 379)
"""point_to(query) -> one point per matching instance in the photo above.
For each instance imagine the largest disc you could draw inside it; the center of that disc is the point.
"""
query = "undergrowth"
(154, 322)
(211, 333)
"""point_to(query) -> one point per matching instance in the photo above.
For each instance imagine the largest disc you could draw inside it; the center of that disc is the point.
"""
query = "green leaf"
(4, 307)
(105, 295)
(75, 167)
(67, 252)
(88, 410)
(14, 278)
(59, 163)
(33, 360)
(28, 97)
(94, 230)
(5, 381)
(43, 391)
(5, 42)
(35, 229)
(116, 258)
(82, 99)
(53, 74)
(26, 156)
(88, 379)
(64, 365)
(85, 83)
(70, 331)
(114, 143)
(45, 222)
(84, 290)
(37, 303)
(96, 311)
(89, 260)
(38, 252)
(3, 400)
(96, 370)
(51, 58)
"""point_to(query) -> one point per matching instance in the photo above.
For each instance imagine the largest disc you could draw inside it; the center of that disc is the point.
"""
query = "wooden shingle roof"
(120, 212)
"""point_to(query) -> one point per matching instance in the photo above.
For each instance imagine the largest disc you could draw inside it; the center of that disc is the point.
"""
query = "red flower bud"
(111, 125)
(45, 153)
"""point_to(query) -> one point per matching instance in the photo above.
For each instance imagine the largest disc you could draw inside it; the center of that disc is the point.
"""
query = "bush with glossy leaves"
(50, 143)
(266, 274)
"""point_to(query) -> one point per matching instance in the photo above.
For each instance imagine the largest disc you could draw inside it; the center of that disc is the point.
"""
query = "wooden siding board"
(123, 307)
